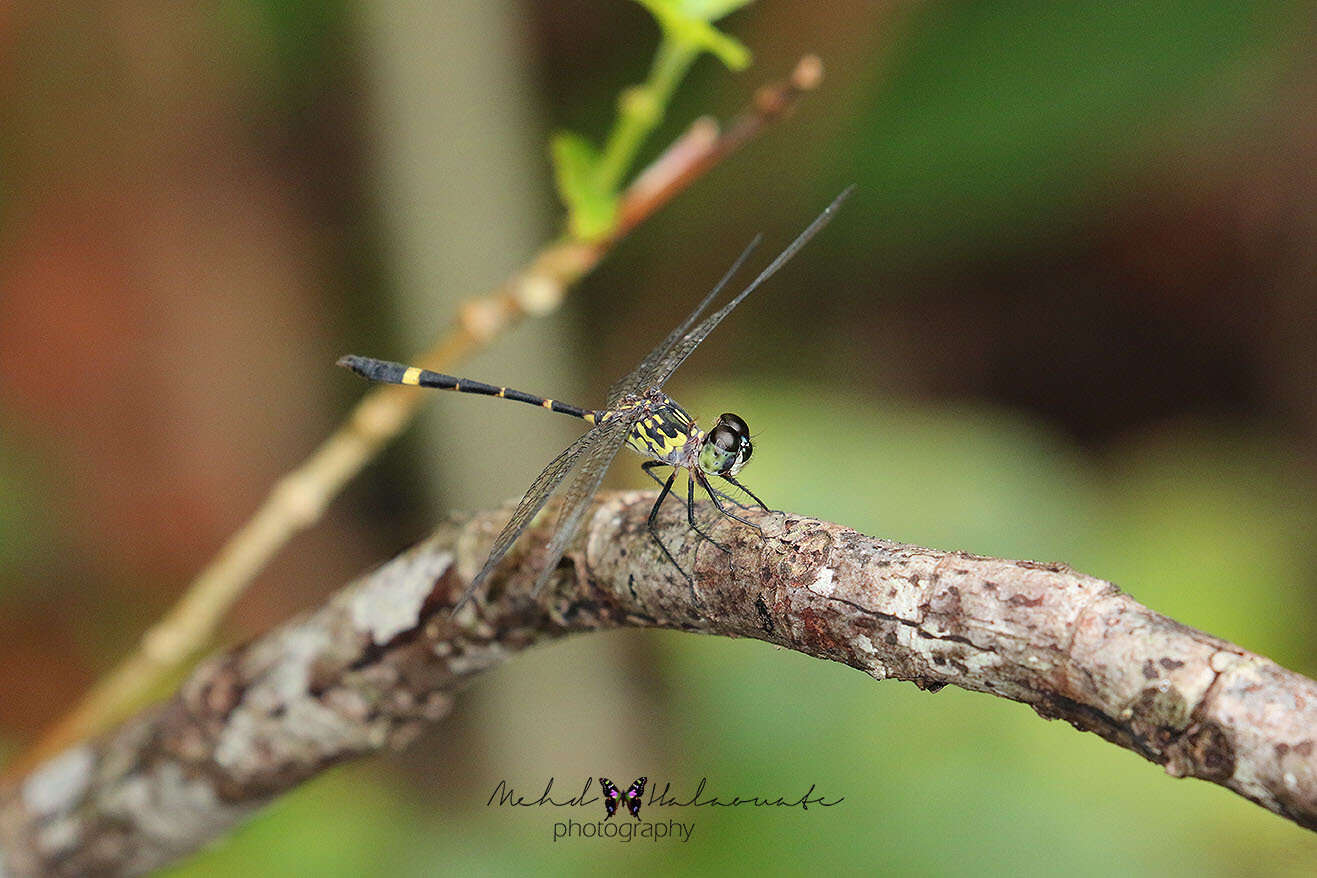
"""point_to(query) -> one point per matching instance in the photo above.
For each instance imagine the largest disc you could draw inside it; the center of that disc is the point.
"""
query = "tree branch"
(384, 657)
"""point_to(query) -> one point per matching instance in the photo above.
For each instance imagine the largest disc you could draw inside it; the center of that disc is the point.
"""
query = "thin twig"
(384, 658)
(298, 500)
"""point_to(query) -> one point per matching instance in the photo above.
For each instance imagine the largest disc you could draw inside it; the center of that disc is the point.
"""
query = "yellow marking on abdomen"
(548, 403)
(501, 391)
(412, 375)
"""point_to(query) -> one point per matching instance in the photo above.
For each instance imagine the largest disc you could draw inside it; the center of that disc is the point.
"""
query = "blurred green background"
(1067, 315)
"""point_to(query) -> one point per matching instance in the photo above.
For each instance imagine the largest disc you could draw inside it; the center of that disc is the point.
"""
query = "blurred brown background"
(1068, 314)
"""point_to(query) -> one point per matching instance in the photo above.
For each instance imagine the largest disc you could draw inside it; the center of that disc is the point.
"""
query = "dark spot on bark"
(765, 620)
(960, 666)
(989, 585)
(1281, 750)
(914, 578)
(224, 691)
(1149, 669)
(817, 637)
(960, 572)
(323, 673)
(1019, 600)
(866, 621)
(582, 608)
(934, 578)
(891, 638)
(1163, 737)
(1170, 664)
(1051, 705)
(956, 638)
(1051, 566)
(1212, 753)
(931, 687)
(939, 660)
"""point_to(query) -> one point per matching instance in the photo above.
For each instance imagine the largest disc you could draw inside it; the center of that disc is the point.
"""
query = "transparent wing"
(678, 352)
(639, 378)
(584, 485)
(536, 496)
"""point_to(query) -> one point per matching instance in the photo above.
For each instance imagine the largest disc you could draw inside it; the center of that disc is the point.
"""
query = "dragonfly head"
(726, 447)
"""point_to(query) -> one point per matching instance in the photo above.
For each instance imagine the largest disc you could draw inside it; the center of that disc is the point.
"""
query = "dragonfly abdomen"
(387, 372)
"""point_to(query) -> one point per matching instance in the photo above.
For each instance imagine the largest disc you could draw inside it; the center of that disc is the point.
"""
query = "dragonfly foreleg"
(742, 487)
(690, 515)
(729, 498)
(725, 511)
(653, 523)
(648, 467)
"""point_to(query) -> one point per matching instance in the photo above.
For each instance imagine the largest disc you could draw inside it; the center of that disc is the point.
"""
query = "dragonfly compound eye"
(735, 422)
(732, 434)
(726, 438)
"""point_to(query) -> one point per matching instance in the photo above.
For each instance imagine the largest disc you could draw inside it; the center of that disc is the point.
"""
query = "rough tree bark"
(384, 657)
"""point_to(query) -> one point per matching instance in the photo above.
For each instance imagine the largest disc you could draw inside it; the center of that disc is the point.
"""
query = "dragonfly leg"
(729, 498)
(648, 467)
(653, 528)
(733, 481)
(725, 511)
(690, 515)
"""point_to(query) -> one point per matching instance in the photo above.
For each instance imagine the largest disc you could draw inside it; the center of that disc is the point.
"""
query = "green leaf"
(709, 10)
(686, 22)
(591, 210)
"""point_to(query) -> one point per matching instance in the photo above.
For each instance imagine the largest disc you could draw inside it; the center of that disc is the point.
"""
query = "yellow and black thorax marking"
(663, 431)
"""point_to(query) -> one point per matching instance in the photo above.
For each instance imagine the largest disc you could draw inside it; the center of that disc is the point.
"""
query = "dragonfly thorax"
(665, 431)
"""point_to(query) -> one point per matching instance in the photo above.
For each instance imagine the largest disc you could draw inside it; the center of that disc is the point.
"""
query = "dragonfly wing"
(640, 378)
(678, 352)
(536, 496)
(584, 485)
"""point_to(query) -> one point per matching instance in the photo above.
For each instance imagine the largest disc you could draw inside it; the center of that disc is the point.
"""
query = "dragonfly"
(637, 414)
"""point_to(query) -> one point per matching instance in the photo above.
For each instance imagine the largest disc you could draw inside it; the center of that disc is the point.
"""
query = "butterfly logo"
(631, 796)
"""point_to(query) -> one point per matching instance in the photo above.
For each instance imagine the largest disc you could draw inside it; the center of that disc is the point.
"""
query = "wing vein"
(670, 361)
(581, 490)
